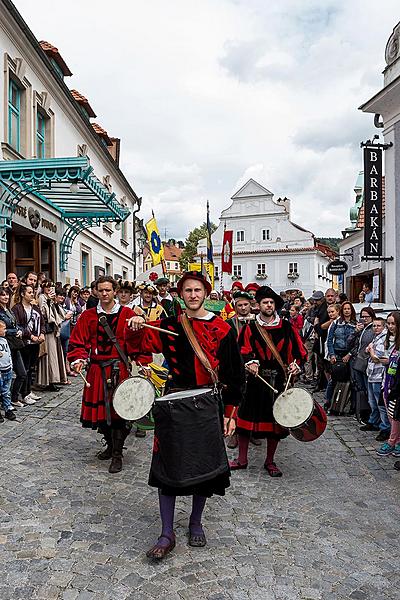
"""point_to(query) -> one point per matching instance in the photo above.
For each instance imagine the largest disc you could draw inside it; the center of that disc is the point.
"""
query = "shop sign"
(373, 202)
(35, 219)
(337, 267)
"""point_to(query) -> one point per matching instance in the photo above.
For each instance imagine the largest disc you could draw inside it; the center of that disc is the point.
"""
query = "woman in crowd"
(359, 341)
(338, 345)
(391, 386)
(72, 304)
(31, 322)
(51, 367)
(84, 294)
(295, 318)
(125, 291)
(15, 342)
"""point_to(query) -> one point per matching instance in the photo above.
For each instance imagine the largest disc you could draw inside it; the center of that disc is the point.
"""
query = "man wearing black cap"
(169, 304)
(272, 348)
(242, 304)
(189, 371)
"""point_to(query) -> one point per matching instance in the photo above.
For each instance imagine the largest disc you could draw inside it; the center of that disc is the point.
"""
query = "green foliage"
(190, 249)
(332, 242)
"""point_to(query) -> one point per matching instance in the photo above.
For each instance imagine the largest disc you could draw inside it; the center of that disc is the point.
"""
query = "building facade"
(267, 246)
(385, 106)
(66, 208)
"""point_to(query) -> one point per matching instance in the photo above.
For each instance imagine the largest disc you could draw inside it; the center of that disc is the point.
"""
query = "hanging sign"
(337, 267)
(373, 202)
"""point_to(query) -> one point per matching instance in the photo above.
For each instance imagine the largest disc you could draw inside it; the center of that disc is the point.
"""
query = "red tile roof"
(84, 102)
(52, 52)
(172, 253)
(102, 133)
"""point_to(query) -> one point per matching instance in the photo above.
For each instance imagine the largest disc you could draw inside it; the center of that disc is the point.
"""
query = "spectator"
(342, 297)
(12, 281)
(321, 325)
(214, 295)
(31, 322)
(15, 342)
(307, 335)
(359, 342)
(368, 293)
(6, 373)
(93, 300)
(378, 420)
(391, 386)
(295, 318)
(361, 298)
(51, 366)
(342, 327)
(65, 329)
(84, 295)
(72, 304)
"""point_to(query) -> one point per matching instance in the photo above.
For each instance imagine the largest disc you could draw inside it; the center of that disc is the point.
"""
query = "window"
(85, 268)
(124, 231)
(265, 234)
(14, 115)
(293, 268)
(124, 273)
(40, 135)
(108, 266)
(176, 266)
(237, 270)
(261, 269)
(240, 236)
(168, 265)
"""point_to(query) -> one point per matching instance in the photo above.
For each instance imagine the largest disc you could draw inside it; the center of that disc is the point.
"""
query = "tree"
(190, 248)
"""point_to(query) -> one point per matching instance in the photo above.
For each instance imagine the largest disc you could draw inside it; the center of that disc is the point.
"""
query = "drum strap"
(268, 340)
(111, 335)
(188, 329)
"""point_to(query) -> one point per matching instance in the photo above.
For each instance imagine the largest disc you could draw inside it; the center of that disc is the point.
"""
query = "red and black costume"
(218, 342)
(90, 342)
(255, 413)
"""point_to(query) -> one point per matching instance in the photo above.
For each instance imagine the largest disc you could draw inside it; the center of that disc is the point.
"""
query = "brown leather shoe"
(158, 552)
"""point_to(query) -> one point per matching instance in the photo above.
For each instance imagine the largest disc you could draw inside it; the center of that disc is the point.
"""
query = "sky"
(205, 95)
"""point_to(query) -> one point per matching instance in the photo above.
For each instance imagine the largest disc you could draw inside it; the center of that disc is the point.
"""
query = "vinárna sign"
(373, 202)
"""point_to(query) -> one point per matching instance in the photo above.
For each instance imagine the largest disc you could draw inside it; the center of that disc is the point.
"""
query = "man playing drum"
(193, 366)
(269, 346)
(89, 341)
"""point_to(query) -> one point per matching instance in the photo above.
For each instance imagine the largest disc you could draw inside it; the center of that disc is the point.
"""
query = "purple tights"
(167, 510)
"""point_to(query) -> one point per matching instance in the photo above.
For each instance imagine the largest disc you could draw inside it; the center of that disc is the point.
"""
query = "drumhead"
(185, 394)
(133, 398)
(293, 407)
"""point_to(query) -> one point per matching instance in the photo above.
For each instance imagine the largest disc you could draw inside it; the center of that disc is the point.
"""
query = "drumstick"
(87, 384)
(264, 381)
(160, 329)
(288, 379)
(230, 418)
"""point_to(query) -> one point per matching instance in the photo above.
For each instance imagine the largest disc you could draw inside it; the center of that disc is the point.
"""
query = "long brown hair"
(396, 316)
(353, 316)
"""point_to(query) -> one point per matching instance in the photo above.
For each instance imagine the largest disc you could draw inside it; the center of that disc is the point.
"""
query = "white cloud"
(206, 94)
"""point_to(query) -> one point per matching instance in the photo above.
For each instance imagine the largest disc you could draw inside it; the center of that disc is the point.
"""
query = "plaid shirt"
(376, 371)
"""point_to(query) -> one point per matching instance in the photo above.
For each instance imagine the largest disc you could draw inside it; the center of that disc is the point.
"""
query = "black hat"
(147, 287)
(161, 281)
(266, 292)
(126, 285)
(242, 294)
(194, 275)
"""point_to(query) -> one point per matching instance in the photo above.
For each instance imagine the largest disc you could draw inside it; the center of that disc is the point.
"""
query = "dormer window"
(265, 235)
(240, 236)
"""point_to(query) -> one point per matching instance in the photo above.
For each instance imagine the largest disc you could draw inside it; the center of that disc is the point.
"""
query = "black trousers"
(30, 357)
(20, 374)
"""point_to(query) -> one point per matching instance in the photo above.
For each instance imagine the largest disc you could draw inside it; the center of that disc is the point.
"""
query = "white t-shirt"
(5, 355)
(33, 320)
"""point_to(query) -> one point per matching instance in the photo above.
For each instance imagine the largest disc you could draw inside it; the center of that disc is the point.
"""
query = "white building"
(66, 208)
(267, 246)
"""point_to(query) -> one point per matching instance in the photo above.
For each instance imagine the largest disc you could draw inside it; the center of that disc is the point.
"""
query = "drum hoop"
(309, 415)
(121, 383)
(186, 394)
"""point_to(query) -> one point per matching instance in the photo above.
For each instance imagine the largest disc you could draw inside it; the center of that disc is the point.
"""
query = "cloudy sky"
(207, 94)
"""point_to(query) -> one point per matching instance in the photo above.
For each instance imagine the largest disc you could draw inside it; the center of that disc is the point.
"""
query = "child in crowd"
(295, 318)
(6, 374)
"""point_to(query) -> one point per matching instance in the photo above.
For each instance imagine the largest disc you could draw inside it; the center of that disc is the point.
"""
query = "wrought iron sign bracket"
(373, 144)
(378, 258)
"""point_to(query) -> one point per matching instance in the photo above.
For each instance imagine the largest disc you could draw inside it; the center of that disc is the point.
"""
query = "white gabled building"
(267, 246)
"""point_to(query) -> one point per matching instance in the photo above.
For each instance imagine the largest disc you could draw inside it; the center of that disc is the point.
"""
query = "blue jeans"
(378, 416)
(5, 389)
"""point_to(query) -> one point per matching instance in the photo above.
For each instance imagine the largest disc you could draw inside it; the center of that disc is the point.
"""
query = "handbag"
(42, 349)
(340, 371)
(360, 364)
(49, 327)
(14, 342)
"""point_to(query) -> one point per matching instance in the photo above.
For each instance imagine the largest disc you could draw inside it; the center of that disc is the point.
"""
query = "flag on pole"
(227, 247)
(154, 240)
(210, 258)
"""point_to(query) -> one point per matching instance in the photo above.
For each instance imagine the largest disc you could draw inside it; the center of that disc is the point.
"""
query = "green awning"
(66, 184)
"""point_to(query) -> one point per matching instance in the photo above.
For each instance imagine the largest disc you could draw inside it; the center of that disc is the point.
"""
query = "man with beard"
(321, 326)
(242, 303)
(272, 348)
(191, 367)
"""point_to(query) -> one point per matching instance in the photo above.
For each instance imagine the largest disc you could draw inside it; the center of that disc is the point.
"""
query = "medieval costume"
(170, 305)
(236, 321)
(187, 372)
(89, 341)
(255, 417)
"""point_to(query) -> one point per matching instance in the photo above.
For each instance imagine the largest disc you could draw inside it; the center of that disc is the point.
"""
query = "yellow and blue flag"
(154, 241)
(210, 257)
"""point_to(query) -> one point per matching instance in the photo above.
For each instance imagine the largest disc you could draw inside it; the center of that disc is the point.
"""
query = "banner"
(373, 202)
(210, 258)
(155, 243)
(227, 245)
(208, 267)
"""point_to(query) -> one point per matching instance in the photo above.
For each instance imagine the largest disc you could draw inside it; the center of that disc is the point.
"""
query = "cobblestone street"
(329, 529)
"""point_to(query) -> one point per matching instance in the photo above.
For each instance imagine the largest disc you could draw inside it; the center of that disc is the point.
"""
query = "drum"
(189, 446)
(296, 410)
(133, 398)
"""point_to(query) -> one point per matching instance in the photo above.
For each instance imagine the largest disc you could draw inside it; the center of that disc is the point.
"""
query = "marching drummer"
(90, 343)
(193, 364)
(272, 349)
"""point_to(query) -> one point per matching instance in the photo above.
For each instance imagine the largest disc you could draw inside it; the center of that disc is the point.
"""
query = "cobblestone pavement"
(329, 529)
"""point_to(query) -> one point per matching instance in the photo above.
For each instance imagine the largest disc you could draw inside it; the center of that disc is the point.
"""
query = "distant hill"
(332, 242)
